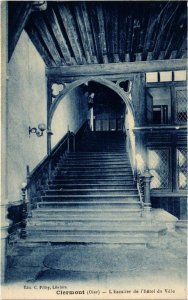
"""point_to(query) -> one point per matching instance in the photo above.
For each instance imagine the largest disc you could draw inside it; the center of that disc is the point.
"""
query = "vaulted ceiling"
(80, 33)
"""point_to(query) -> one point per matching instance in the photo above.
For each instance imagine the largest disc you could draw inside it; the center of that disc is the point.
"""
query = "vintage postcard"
(94, 150)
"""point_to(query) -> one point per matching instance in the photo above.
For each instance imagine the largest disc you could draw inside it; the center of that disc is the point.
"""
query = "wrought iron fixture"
(39, 131)
(91, 100)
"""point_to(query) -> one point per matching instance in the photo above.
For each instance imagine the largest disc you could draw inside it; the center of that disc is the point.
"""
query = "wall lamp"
(39, 131)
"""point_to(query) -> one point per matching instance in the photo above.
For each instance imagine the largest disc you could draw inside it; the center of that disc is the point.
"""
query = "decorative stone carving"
(56, 89)
(126, 86)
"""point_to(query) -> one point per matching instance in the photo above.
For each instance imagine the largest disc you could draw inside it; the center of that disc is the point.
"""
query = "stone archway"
(108, 83)
(116, 88)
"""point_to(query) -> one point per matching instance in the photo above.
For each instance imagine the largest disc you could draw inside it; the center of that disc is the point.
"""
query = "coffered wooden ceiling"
(80, 33)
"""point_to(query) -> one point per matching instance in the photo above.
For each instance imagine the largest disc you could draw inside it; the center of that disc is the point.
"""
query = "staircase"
(93, 198)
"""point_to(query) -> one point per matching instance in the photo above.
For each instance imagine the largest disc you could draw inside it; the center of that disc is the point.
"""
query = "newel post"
(23, 233)
(147, 177)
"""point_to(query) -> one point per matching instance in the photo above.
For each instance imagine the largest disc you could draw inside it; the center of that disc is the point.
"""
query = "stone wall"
(71, 112)
(26, 106)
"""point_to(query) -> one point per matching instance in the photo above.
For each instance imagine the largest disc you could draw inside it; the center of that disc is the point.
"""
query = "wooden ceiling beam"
(54, 24)
(105, 59)
(151, 29)
(166, 24)
(183, 48)
(17, 23)
(135, 35)
(15, 12)
(69, 26)
(114, 20)
(129, 33)
(161, 55)
(48, 40)
(96, 32)
(174, 42)
(138, 56)
(116, 58)
(89, 37)
(33, 34)
(184, 54)
(102, 36)
(150, 56)
(83, 32)
(122, 36)
(108, 31)
(127, 57)
(119, 68)
(173, 54)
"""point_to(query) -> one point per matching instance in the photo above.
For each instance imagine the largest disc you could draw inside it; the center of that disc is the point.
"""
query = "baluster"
(49, 170)
(74, 143)
(23, 233)
(68, 140)
(28, 191)
(147, 177)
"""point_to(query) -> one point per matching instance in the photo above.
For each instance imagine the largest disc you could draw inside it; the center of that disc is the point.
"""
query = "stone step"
(120, 175)
(85, 167)
(99, 229)
(102, 147)
(86, 155)
(92, 163)
(93, 181)
(105, 148)
(52, 203)
(91, 192)
(83, 186)
(93, 197)
(95, 239)
(95, 162)
(144, 235)
(94, 172)
(98, 155)
(89, 213)
(87, 222)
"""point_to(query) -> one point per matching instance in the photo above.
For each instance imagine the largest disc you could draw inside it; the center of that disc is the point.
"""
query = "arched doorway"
(114, 86)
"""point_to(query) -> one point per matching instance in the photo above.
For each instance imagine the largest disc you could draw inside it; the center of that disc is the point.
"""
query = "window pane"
(165, 76)
(105, 125)
(157, 115)
(159, 168)
(179, 75)
(182, 167)
(152, 77)
(119, 124)
(181, 106)
(98, 125)
(113, 125)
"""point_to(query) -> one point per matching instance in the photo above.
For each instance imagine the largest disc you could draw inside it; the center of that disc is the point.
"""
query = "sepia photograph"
(93, 150)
